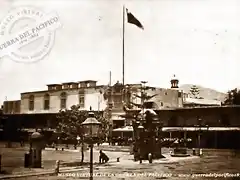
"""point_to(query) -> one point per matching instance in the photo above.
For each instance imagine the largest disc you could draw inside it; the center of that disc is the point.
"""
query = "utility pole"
(110, 106)
(110, 78)
(143, 88)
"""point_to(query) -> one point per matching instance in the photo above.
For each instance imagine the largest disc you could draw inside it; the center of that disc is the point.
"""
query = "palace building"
(87, 94)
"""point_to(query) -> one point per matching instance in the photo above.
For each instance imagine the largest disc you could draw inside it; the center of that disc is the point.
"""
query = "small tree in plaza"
(70, 120)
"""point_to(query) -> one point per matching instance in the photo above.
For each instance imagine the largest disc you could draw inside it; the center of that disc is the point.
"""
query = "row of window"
(46, 101)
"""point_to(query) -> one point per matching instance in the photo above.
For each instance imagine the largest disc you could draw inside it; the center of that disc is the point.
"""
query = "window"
(63, 100)
(165, 93)
(10, 104)
(161, 103)
(179, 94)
(81, 99)
(31, 103)
(46, 101)
(16, 105)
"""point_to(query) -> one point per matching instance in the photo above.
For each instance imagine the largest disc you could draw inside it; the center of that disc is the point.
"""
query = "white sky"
(198, 40)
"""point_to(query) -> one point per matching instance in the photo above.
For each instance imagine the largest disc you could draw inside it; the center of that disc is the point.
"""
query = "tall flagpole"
(123, 62)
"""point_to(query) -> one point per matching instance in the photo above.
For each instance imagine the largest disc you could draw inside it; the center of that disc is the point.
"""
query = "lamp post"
(199, 136)
(140, 130)
(91, 127)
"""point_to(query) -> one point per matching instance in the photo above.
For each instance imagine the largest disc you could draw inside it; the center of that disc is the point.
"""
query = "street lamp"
(91, 131)
(78, 139)
(140, 130)
(199, 133)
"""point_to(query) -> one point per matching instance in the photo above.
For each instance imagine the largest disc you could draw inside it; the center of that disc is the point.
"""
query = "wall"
(11, 107)
(165, 98)
(92, 97)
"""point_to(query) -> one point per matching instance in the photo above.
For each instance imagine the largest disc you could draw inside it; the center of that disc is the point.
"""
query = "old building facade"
(88, 95)
(11, 107)
(163, 98)
(62, 96)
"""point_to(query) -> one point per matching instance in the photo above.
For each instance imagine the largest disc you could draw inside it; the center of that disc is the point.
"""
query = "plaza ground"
(214, 161)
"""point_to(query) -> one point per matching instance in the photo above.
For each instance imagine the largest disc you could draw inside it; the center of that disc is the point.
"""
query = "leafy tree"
(144, 140)
(194, 91)
(70, 120)
(144, 97)
(10, 130)
(233, 97)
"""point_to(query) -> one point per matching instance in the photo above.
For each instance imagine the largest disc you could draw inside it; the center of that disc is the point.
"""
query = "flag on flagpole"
(133, 20)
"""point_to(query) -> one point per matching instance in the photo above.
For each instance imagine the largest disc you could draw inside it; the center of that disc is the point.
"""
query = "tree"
(144, 104)
(194, 91)
(144, 143)
(10, 130)
(70, 120)
(233, 97)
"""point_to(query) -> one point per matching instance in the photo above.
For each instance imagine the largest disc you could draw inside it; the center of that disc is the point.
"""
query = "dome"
(174, 78)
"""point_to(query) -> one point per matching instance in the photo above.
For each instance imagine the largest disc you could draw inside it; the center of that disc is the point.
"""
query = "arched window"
(31, 103)
(63, 97)
(46, 101)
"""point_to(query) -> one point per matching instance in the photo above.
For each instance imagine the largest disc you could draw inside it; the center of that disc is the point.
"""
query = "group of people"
(122, 140)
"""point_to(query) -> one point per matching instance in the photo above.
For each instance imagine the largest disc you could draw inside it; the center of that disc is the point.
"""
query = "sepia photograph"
(119, 89)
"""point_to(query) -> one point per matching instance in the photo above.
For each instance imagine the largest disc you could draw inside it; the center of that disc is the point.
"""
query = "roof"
(53, 84)
(202, 101)
(188, 108)
(91, 121)
(168, 129)
(88, 81)
(46, 91)
(115, 118)
(124, 129)
(11, 101)
(118, 113)
(70, 83)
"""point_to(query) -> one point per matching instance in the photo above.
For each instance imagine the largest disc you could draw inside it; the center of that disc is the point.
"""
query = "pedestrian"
(103, 158)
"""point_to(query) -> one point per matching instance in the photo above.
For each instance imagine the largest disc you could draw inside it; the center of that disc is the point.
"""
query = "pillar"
(216, 139)
(185, 138)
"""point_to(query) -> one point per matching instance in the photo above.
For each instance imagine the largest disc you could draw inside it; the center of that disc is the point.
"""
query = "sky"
(197, 40)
